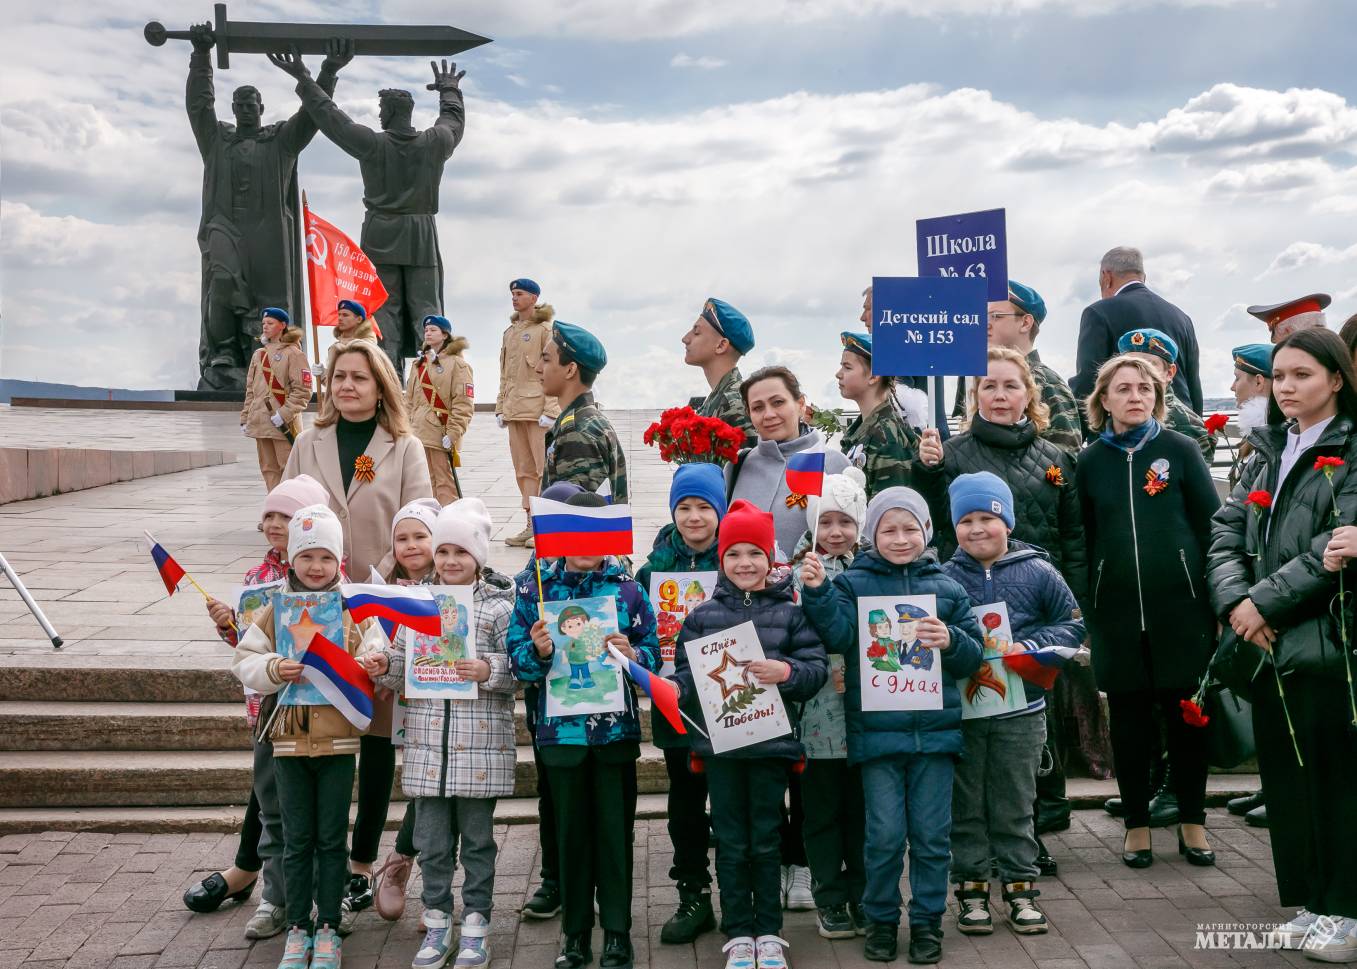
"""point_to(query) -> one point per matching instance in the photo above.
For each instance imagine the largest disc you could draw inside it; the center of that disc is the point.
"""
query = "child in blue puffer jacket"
(907, 757)
(994, 791)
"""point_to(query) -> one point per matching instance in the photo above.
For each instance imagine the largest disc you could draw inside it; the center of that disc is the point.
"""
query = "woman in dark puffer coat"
(1274, 583)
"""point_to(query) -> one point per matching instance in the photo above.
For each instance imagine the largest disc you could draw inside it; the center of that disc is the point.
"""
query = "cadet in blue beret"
(582, 446)
(878, 441)
(442, 322)
(354, 307)
(526, 285)
(352, 323)
(274, 313)
(1253, 360)
(1159, 350)
(719, 336)
(1252, 389)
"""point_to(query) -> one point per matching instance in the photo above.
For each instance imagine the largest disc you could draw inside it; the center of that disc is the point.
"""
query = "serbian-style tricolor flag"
(170, 570)
(337, 269)
(662, 693)
(806, 472)
(411, 606)
(559, 529)
(339, 679)
(1040, 666)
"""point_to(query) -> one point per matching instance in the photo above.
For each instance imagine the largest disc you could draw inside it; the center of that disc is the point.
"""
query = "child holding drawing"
(459, 752)
(313, 747)
(907, 755)
(995, 786)
(748, 784)
(590, 757)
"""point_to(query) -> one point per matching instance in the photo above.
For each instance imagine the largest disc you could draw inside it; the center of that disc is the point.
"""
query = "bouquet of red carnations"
(685, 437)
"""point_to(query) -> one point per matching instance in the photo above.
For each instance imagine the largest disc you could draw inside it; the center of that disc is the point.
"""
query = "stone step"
(97, 725)
(140, 679)
(189, 778)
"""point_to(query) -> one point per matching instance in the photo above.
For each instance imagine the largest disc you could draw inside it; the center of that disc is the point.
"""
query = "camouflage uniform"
(725, 402)
(583, 448)
(883, 446)
(1066, 429)
(1182, 419)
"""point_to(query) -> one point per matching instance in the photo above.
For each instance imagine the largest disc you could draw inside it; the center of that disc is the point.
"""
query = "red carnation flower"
(1192, 714)
(1259, 499)
(1216, 423)
(992, 620)
(1324, 464)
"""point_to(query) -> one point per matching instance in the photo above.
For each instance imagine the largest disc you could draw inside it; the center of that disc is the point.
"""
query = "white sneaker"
(1293, 933)
(437, 947)
(472, 948)
(266, 922)
(1331, 940)
(799, 896)
(772, 951)
(739, 952)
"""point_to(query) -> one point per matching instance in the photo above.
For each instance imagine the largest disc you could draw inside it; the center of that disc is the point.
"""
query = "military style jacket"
(521, 397)
(440, 394)
(583, 448)
(278, 382)
(883, 446)
(1065, 429)
(725, 402)
(1186, 422)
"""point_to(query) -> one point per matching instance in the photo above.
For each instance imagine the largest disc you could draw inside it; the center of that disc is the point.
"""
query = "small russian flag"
(560, 529)
(170, 570)
(412, 606)
(806, 472)
(662, 693)
(339, 679)
(1040, 666)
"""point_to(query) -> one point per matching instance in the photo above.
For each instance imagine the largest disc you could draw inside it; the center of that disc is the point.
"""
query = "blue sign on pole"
(928, 327)
(969, 245)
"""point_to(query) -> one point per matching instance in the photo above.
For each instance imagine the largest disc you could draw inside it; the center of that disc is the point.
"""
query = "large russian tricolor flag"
(560, 529)
(1040, 666)
(339, 679)
(412, 606)
(806, 472)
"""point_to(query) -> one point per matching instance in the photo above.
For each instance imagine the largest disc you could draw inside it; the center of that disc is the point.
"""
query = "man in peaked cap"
(582, 446)
(521, 406)
(1159, 350)
(719, 337)
(1283, 319)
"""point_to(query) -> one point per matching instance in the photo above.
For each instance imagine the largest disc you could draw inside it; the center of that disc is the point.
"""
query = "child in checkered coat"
(459, 754)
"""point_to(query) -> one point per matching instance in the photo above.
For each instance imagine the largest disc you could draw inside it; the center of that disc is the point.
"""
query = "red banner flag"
(337, 269)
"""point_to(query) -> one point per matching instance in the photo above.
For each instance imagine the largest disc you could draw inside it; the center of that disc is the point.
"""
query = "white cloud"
(1299, 255)
(703, 63)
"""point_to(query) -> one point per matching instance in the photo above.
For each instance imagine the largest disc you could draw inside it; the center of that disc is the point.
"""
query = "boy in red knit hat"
(748, 784)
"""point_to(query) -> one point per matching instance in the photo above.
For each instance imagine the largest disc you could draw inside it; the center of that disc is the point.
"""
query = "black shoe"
(1045, 863)
(617, 951)
(925, 944)
(575, 952)
(882, 943)
(1201, 857)
(359, 893)
(694, 916)
(1241, 806)
(1257, 818)
(1163, 809)
(1053, 814)
(1114, 807)
(859, 919)
(834, 922)
(1143, 858)
(208, 894)
(545, 902)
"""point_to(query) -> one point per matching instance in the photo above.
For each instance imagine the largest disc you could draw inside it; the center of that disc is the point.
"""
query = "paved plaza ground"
(95, 900)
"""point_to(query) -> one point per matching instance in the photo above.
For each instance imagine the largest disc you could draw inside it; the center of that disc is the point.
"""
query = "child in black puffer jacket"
(748, 784)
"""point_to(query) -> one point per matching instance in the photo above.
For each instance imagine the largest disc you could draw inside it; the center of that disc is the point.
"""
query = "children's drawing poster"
(738, 710)
(251, 600)
(430, 672)
(993, 688)
(674, 595)
(895, 670)
(298, 617)
(583, 678)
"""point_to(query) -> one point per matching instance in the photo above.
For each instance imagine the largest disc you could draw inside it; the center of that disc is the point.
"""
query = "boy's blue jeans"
(908, 798)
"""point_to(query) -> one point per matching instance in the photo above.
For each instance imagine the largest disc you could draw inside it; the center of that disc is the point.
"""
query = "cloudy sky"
(636, 157)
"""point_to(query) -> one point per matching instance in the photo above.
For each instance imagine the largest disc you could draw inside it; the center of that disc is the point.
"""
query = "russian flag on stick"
(1040, 666)
(559, 529)
(171, 572)
(662, 692)
(339, 679)
(411, 606)
(806, 472)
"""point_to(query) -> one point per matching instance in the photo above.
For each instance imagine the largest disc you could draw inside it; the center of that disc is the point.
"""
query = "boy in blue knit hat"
(994, 788)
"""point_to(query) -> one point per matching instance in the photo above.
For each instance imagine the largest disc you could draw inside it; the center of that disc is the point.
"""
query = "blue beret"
(730, 323)
(441, 322)
(582, 345)
(1027, 299)
(273, 312)
(353, 306)
(859, 343)
(527, 285)
(1254, 358)
(1157, 343)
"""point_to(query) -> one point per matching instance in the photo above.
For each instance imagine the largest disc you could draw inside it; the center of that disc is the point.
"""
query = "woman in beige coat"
(439, 397)
(362, 451)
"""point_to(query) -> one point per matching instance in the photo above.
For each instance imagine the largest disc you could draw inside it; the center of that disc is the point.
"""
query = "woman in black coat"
(1147, 499)
(1274, 581)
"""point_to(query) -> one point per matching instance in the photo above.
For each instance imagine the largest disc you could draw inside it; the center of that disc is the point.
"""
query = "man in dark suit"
(1128, 304)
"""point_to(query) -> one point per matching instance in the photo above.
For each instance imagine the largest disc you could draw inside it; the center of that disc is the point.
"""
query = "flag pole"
(315, 330)
(693, 725)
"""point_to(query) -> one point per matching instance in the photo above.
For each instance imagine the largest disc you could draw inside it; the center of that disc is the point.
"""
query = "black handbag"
(1235, 663)
(1229, 731)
